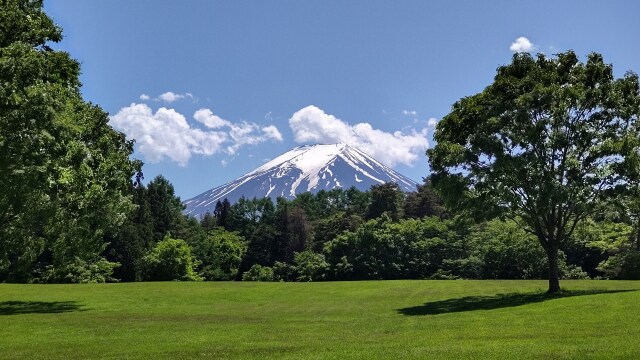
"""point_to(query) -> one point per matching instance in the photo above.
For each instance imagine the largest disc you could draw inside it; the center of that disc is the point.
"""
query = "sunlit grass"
(364, 320)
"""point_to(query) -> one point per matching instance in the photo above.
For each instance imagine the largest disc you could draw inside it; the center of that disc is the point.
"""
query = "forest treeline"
(382, 233)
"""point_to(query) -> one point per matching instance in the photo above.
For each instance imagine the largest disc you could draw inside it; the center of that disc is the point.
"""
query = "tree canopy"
(545, 144)
(65, 174)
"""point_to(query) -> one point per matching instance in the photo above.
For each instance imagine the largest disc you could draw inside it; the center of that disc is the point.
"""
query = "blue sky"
(212, 89)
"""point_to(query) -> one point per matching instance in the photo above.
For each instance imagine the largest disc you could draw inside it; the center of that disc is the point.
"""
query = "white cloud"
(166, 134)
(409, 112)
(244, 133)
(432, 122)
(313, 125)
(522, 44)
(170, 97)
(272, 132)
(210, 120)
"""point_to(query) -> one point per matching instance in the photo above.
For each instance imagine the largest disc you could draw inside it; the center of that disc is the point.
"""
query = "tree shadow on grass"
(472, 303)
(37, 307)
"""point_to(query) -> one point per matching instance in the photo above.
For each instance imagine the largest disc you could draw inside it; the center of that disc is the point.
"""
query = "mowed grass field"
(331, 320)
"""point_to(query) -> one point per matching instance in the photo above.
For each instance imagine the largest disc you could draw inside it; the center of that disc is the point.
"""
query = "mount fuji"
(306, 168)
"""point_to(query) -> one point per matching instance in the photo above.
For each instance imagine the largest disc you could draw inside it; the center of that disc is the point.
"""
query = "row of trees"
(229, 241)
(334, 235)
(448, 248)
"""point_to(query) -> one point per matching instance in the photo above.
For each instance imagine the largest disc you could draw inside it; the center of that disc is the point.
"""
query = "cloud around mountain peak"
(313, 125)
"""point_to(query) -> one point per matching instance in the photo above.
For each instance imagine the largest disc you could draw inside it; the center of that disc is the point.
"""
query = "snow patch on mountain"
(307, 168)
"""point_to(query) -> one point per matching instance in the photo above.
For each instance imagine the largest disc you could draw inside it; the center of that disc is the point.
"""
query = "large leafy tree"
(65, 173)
(545, 144)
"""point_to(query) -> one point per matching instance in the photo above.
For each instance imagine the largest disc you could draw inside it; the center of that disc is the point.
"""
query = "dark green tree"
(386, 198)
(130, 243)
(310, 203)
(357, 201)
(328, 228)
(166, 208)
(208, 222)
(256, 221)
(545, 144)
(424, 202)
(221, 213)
(296, 233)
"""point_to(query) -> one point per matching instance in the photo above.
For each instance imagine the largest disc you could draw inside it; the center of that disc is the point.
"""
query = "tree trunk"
(554, 272)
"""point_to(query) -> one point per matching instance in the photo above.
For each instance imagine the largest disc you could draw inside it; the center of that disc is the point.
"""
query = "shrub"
(284, 272)
(80, 272)
(220, 254)
(310, 266)
(258, 273)
(170, 259)
(624, 266)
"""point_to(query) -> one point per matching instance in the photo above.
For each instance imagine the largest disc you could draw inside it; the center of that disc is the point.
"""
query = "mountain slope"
(306, 168)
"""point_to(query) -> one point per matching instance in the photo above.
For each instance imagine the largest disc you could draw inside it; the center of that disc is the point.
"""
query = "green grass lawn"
(332, 320)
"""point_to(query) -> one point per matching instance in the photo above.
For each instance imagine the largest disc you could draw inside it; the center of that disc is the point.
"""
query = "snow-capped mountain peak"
(306, 168)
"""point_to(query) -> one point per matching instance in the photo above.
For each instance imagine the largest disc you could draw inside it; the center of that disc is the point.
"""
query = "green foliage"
(64, 172)
(259, 273)
(284, 272)
(619, 252)
(80, 272)
(221, 213)
(593, 242)
(363, 254)
(386, 198)
(381, 249)
(546, 143)
(209, 221)
(310, 266)
(429, 243)
(92, 178)
(623, 265)
(295, 231)
(129, 244)
(166, 208)
(328, 228)
(424, 202)
(432, 248)
(506, 251)
(170, 259)
(220, 254)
